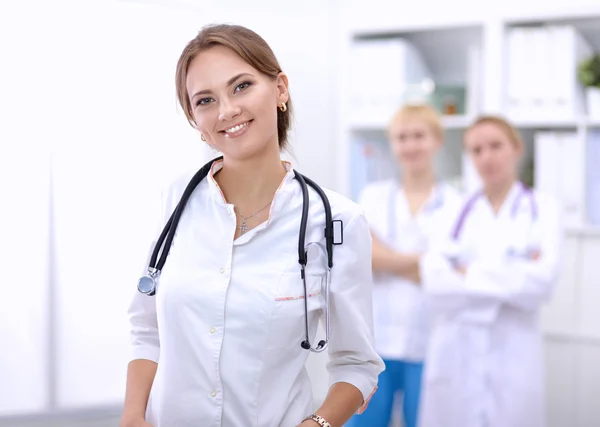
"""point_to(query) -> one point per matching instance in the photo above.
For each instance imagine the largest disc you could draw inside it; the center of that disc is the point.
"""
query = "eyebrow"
(229, 83)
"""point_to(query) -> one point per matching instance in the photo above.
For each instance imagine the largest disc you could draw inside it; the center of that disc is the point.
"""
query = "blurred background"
(90, 132)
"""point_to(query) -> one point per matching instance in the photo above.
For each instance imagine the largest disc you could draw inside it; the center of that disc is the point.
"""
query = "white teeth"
(236, 128)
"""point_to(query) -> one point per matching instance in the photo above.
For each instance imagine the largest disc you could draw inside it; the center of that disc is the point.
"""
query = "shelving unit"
(474, 53)
(571, 323)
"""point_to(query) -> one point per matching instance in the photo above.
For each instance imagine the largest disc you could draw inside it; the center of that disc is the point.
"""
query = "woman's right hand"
(137, 422)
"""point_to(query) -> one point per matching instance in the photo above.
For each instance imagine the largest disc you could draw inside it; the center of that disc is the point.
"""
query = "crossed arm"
(386, 260)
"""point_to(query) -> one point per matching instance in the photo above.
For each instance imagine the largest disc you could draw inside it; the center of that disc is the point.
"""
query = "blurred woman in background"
(406, 216)
(484, 365)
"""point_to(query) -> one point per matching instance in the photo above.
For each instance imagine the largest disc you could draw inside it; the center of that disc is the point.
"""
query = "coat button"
(213, 330)
(222, 270)
(213, 393)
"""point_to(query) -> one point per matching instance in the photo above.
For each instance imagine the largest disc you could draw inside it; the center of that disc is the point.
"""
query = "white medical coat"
(484, 366)
(226, 324)
(400, 314)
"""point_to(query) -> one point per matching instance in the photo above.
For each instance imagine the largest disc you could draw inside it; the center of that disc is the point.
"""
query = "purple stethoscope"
(524, 192)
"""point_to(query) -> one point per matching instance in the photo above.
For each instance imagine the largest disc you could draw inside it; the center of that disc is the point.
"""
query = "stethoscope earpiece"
(306, 345)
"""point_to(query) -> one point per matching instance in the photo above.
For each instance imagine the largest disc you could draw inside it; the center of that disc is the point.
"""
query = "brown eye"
(204, 101)
(242, 86)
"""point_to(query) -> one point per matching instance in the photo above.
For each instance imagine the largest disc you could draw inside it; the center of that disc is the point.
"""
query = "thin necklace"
(244, 227)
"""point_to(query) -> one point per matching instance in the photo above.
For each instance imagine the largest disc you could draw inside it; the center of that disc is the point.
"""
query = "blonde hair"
(423, 112)
(507, 129)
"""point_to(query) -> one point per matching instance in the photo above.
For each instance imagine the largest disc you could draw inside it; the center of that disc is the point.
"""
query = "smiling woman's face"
(234, 105)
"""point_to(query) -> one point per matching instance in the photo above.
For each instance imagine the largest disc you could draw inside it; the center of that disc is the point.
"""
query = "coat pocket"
(290, 307)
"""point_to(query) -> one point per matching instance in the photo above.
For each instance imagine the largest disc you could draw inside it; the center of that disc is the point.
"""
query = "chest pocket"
(288, 316)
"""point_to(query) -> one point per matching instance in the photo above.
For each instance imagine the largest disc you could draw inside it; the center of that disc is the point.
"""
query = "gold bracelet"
(317, 419)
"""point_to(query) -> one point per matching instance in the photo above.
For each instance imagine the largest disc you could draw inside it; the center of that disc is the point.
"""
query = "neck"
(497, 193)
(251, 183)
(418, 181)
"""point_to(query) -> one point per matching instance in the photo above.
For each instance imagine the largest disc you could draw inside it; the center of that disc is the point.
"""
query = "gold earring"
(283, 107)
(202, 138)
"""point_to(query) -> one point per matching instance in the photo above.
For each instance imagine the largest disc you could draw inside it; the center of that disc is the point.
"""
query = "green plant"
(588, 71)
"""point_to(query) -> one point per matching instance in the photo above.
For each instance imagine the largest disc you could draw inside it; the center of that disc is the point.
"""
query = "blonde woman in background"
(485, 367)
(406, 215)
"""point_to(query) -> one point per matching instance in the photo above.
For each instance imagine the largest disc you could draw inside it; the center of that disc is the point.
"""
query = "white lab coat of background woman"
(485, 366)
(400, 314)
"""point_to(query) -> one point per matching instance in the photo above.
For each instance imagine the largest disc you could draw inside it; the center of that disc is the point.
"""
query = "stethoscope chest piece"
(147, 283)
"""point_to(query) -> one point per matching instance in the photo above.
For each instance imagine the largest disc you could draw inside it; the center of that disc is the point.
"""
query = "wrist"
(404, 262)
(315, 420)
(399, 263)
(132, 418)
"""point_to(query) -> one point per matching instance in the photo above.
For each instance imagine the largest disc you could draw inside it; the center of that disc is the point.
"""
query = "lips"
(237, 128)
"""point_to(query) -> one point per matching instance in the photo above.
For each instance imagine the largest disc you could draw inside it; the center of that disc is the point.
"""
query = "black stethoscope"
(147, 283)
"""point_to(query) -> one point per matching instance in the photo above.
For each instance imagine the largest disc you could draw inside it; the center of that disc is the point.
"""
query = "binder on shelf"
(542, 73)
(381, 71)
(559, 162)
(474, 68)
(592, 177)
(517, 71)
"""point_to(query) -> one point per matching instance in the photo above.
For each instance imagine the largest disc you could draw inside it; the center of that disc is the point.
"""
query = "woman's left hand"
(307, 423)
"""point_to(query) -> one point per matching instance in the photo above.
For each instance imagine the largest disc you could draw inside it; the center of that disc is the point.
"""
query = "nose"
(228, 109)
(411, 144)
(486, 155)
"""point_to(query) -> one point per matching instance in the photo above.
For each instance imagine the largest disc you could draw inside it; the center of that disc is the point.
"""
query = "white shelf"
(584, 231)
(520, 17)
(457, 122)
(547, 123)
(534, 124)
(572, 338)
(365, 29)
(378, 125)
(462, 122)
(592, 123)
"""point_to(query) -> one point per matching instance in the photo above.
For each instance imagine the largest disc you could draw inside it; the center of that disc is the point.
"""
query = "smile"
(237, 128)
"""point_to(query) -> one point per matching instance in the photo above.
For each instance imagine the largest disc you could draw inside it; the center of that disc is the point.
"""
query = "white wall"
(24, 221)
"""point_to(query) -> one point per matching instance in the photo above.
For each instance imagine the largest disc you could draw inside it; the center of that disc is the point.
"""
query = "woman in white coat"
(484, 366)
(219, 344)
(407, 215)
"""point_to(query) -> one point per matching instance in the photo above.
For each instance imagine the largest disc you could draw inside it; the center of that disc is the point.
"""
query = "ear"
(283, 94)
